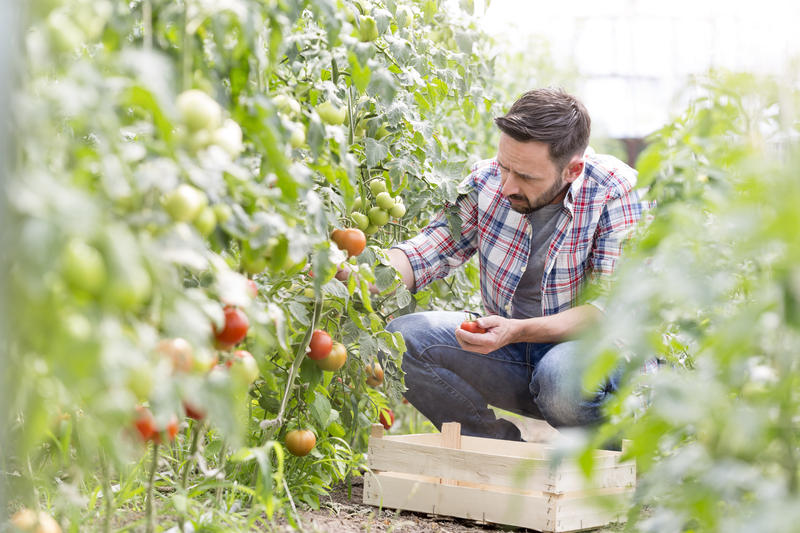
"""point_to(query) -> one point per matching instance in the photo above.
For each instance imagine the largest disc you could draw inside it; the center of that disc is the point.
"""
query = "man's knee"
(420, 331)
(556, 389)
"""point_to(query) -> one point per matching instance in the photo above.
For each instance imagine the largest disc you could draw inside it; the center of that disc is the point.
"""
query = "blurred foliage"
(167, 152)
(712, 287)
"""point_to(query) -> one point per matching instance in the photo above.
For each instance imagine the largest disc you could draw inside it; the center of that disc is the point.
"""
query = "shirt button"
(522, 269)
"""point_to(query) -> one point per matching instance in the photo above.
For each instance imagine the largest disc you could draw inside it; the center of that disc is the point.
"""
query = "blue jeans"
(449, 384)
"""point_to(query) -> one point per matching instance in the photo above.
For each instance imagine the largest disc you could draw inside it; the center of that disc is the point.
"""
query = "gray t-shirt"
(527, 301)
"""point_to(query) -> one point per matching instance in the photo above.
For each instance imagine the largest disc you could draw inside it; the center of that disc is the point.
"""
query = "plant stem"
(298, 359)
(149, 508)
(186, 53)
(147, 24)
(107, 494)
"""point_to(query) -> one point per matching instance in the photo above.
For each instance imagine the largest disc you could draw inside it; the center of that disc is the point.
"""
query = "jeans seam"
(453, 391)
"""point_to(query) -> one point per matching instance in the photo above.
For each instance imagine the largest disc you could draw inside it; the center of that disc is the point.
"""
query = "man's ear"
(574, 168)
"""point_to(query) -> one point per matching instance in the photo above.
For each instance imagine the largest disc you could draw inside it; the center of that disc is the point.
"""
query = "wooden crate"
(497, 481)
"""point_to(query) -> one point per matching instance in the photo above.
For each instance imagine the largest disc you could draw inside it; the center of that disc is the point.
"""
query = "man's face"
(529, 179)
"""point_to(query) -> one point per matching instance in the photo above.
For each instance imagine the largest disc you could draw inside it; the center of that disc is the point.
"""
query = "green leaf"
(321, 410)
(376, 151)
(360, 75)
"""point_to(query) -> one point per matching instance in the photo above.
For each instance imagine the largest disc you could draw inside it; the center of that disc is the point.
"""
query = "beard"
(526, 207)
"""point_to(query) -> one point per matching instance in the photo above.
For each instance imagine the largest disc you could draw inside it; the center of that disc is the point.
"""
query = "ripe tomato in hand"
(300, 441)
(472, 327)
(387, 418)
(320, 345)
(235, 329)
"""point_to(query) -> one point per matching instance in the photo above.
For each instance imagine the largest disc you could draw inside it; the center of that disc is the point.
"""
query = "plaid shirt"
(598, 212)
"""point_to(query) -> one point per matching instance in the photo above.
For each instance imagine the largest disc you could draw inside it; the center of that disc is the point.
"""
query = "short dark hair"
(550, 116)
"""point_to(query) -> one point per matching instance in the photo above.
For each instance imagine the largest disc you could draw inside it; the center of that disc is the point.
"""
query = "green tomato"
(184, 203)
(229, 138)
(378, 216)
(206, 221)
(140, 381)
(377, 186)
(298, 136)
(397, 210)
(357, 204)
(130, 287)
(199, 111)
(330, 114)
(384, 200)
(286, 104)
(368, 29)
(253, 261)
(244, 368)
(223, 212)
(361, 220)
(84, 266)
(371, 229)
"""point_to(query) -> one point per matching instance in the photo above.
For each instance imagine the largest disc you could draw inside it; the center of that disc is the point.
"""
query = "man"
(544, 217)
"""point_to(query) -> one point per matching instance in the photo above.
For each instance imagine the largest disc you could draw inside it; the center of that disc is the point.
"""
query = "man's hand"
(499, 332)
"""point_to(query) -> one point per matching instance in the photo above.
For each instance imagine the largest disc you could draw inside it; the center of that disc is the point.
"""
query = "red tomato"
(300, 441)
(387, 418)
(235, 329)
(172, 428)
(472, 327)
(320, 345)
(193, 411)
(374, 372)
(335, 359)
(352, 240)
(146, 424)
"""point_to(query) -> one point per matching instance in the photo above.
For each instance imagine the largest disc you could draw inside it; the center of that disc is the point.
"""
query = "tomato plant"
(196, 160)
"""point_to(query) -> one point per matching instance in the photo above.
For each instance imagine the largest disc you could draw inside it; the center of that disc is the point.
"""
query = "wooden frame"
(504, 482)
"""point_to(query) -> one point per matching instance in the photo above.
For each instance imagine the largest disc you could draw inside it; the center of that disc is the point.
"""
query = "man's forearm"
(399, 260)
(559, 327)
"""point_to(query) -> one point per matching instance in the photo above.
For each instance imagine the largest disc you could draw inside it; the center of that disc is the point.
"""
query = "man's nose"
(510, 186)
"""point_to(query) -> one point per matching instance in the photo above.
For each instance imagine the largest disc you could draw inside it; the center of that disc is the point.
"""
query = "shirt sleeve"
(616, 225)
(434, 253)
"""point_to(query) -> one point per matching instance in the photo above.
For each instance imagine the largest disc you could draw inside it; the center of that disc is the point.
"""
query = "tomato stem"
(149, 508)
(107, 494)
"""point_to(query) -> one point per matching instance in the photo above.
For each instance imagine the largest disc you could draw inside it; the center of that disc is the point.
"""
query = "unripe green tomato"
(286, 104)
(223, 212)
(140, 381)
(308, 292)
(384, 200)
(199, 111)
(229, 138)
(84, 266)
(330, 114)
(184, 203)
(200, 140)
(372, 229)
(378, 216)
(243, 367)
(253, 263)
(397, 210)
(377, 186)
(357, 204)
(368, 29)
(361, 220)
(381, 133)
(130, 288)
(206, 221)
(298, 136)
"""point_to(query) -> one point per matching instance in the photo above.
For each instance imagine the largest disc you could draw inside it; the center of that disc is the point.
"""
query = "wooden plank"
(577, 512)
(451, 438)
(420, 495)
(390, 455)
